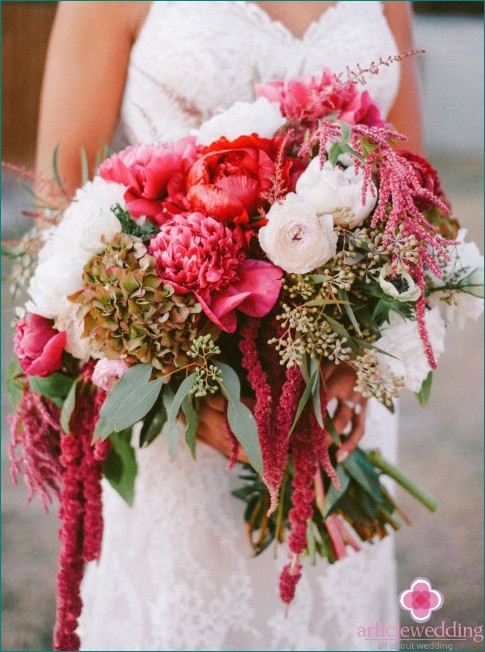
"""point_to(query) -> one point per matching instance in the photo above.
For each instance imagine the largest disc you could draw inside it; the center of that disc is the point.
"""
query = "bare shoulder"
(112, 19)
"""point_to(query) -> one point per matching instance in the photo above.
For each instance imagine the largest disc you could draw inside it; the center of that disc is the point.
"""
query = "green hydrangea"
(129, 313)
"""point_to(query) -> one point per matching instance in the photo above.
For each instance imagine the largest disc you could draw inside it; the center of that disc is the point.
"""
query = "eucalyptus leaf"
(344, 298)
(172, 428)
(192, 420)
(240, 418)
(120, 467)
(153, 422)
(128, 401)
(56, 386)
(68, 407)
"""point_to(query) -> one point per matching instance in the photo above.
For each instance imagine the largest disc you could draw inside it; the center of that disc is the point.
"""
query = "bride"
(175, 570)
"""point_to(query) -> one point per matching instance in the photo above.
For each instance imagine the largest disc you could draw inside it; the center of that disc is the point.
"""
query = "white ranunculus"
(400, 338)
(71, 244)
(296, 238)
(261, 117)
(400, 286)
(338, 192)
(465, 269)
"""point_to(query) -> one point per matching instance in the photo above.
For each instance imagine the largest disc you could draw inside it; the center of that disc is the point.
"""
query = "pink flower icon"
(421, 599)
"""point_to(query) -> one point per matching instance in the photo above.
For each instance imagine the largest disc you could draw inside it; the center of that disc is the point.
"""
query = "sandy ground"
(441, 445)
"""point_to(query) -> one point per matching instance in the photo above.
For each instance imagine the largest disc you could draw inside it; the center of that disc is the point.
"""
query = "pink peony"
(202, 255)
(154, 176)
(39, 347)
(317, 97)
(107, 372)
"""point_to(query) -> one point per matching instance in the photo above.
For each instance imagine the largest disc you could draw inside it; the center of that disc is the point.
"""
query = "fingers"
(352, 441)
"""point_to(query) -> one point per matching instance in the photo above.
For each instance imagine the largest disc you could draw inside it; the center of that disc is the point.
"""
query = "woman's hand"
(351, 407)
(212, 427)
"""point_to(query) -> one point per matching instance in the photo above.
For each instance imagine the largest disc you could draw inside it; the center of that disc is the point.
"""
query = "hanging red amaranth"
(305, 465)
(35, 428)
(80, 512)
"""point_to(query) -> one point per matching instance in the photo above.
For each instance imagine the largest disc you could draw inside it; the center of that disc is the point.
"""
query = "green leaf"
(153, 422)
(344, 298)
(311, 543)
(317, 405)
(14, 382)
(172, 428)
(241, 419)
(56, 386)
(128, 401)
(129, 226)
(55, 167)
(334, 494)
(358, 467)
(192, 420)
(68, 407)
(304, 399)
(330, 428)
(120, 466)
(425, 390)
(333, 153)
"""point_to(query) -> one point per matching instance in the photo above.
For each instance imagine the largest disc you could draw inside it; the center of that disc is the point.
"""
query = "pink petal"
(51, 357)
(262, 283)
(222, 309)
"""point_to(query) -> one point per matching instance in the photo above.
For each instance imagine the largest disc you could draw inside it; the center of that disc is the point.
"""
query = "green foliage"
(120, 466)
(129, 226)
(128, 401)
(68, 407)
(192, 421)
(240, 418)
(425, 390)
(153, 422)
(56, 386)
(172, 430)
(14, 382)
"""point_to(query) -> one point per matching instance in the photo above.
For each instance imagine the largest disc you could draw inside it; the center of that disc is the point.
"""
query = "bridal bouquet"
(285, 237)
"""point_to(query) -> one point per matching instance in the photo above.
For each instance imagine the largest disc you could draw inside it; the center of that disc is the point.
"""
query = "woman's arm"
(83, 82)
(405, 114)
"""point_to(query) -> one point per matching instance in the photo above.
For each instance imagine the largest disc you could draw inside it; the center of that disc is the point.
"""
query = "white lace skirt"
(176, 571)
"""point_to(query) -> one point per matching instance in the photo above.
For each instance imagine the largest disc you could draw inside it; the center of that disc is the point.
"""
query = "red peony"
(199, 254)
(154, 176)
(427, 177)
(228, 180)
(38, 346)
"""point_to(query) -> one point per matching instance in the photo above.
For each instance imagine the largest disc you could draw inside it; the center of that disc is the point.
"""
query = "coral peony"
(199, 254)
(154, 176)
(39, 346)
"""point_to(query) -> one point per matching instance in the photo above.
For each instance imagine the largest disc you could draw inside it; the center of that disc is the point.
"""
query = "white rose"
(296, 238)
(465, 269)
(401, 339)
(261, 117)
(338, 192)
(71, 244)
(400, 286)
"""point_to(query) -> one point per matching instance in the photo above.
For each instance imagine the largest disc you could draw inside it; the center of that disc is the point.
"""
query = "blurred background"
(441, 446)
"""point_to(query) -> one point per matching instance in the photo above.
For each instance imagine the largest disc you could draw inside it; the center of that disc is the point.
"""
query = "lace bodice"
(175, 571)
(192, 59)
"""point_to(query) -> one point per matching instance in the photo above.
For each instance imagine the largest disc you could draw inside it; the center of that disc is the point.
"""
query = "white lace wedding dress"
(176, 571)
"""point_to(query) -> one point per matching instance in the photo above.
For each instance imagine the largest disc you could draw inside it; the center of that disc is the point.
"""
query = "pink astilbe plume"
(35, 427)
(402, 190)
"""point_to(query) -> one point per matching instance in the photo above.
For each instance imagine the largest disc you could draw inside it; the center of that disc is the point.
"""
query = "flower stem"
(404, 480)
